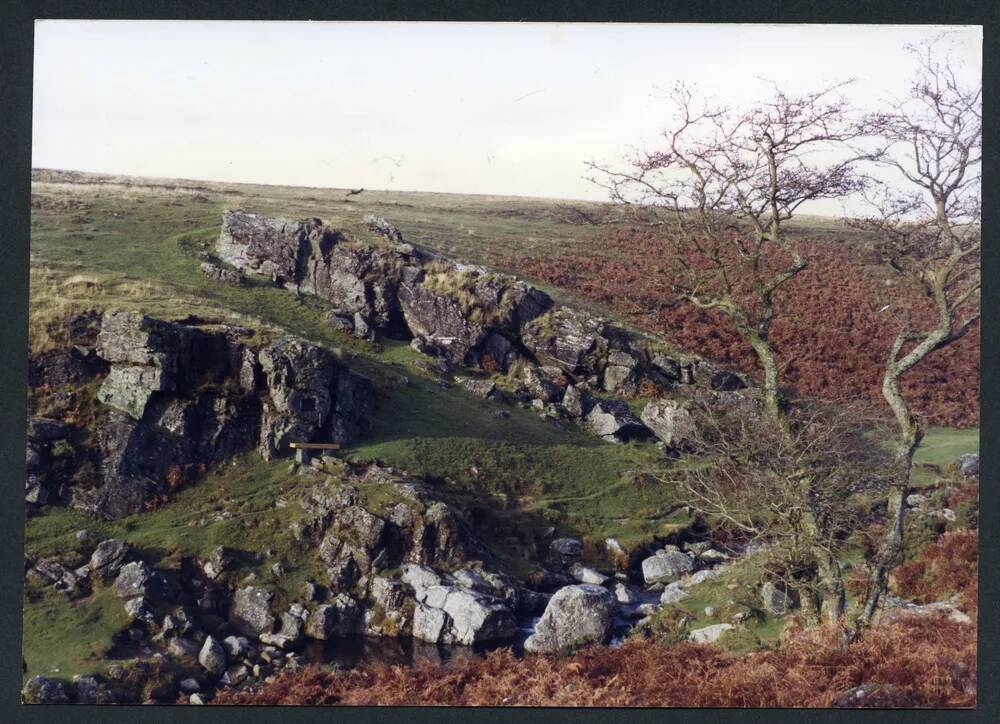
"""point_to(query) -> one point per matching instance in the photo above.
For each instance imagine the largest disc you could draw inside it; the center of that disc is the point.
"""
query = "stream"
(353, 651)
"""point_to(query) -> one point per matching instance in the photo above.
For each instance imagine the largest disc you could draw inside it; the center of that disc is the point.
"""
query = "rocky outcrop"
(575, 615)
(179, 396)
(356, 539)
(309, 396)
(307, 256)
(470, 317)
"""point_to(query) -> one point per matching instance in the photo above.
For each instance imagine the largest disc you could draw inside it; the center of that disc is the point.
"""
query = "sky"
(494, 108)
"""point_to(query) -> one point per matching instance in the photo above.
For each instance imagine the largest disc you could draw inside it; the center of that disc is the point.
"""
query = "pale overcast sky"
(511, 108)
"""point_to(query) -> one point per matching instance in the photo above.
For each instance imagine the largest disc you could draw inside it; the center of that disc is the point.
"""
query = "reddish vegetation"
(946, 566)
(830, 335)
(919, 662)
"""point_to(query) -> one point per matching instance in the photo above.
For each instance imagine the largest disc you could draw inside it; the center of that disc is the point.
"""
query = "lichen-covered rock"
(380, 226)
(442, 321)
(575, 615)
(453, 614)
(212, 656)
(429, 624)
(541, 383)
(710, 634)
(576, 403)
(483, 389)
(614, 421)
(267, 246)
(564, 553)
(43, 690)
(563, 337)
(250, 612)
(670, 421)
(583, 574)
(130, 389)
(673, 593)
(309, 396)
(139, 579)
(391, 612)
(968, 464)
(776, 600)
(666, 565)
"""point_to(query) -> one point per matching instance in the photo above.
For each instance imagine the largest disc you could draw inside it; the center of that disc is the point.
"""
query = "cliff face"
(176, 398)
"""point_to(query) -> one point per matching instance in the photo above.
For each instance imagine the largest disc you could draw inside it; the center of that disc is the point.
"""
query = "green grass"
(63, 637)
(248, 489)
(941, 447)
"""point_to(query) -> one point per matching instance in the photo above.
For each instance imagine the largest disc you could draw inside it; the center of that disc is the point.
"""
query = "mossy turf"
(734, 591)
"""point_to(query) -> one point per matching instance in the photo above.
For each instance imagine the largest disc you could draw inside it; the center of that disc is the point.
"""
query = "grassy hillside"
(128, 243)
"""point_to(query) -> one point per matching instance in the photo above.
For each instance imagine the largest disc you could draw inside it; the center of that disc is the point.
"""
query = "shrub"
(947, 566)
(928, 662)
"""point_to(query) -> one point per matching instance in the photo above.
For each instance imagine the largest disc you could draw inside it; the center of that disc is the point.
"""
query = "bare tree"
(930, 235)
(804, 490)
(723, 187)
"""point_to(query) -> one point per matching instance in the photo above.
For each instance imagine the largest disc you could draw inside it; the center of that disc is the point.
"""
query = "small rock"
(969, 465)
(236, 646)
(564, 552)
(667, 565)
(776, 601)
(587, 575)
(674, 593)
(212, 656)
(181, 647)
(623, 593)
(710, 634)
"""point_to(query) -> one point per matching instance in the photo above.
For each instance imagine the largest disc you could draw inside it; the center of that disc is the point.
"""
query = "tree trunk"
(834, 599)
(808, 602)
(892, 543)
(772, 395)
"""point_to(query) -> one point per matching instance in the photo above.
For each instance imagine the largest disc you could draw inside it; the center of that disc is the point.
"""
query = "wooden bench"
(303, 450)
